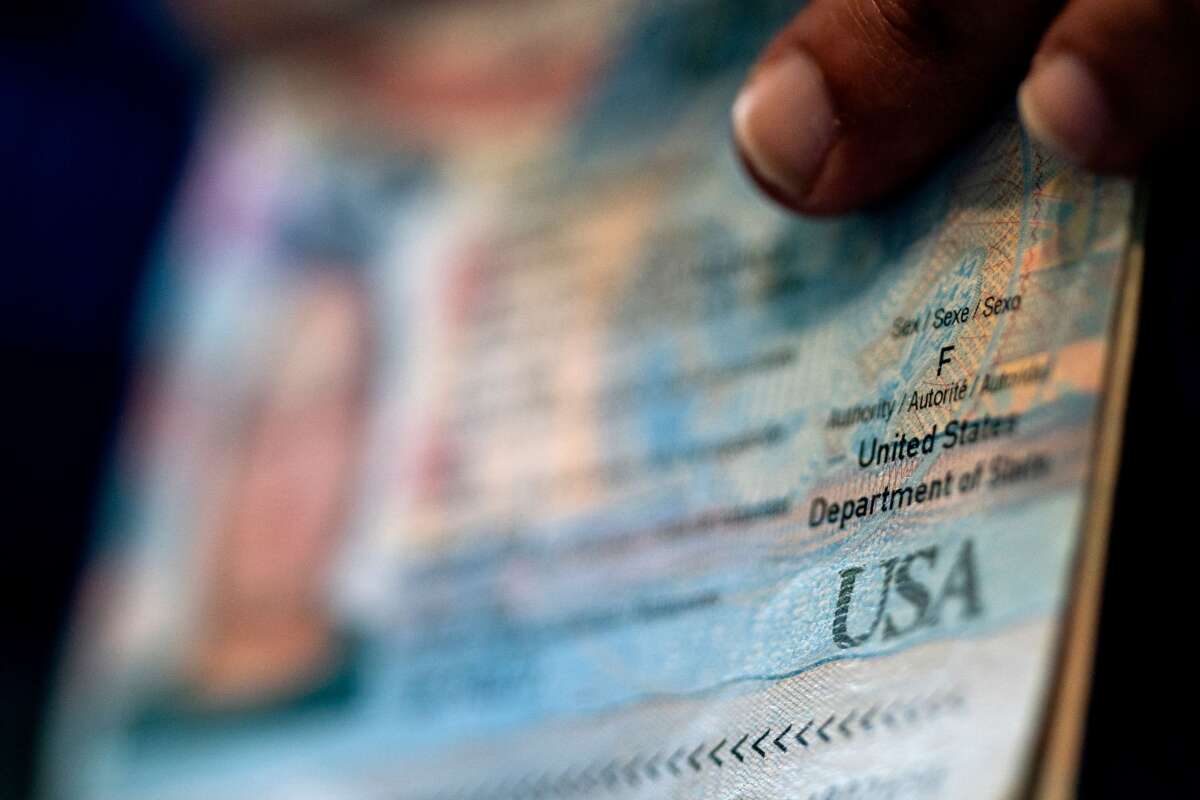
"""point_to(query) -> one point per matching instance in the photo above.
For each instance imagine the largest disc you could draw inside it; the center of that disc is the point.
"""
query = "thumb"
(855, 97)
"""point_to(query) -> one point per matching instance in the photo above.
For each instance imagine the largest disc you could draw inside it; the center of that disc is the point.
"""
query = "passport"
(494, 438)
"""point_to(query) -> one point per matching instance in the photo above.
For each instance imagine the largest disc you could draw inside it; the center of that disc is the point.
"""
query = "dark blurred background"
(96, 110)
(98, 105)
(1140, 736)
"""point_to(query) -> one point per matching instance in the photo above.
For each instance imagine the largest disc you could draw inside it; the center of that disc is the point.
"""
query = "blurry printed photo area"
(352, 172)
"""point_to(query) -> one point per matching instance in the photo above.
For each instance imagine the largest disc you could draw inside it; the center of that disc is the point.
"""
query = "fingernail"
(1063, 106)
(784, 124)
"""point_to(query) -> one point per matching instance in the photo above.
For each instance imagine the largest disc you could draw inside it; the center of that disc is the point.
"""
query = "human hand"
(856, 97)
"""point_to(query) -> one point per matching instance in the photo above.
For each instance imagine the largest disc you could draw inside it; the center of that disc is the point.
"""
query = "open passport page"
(494, 438)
